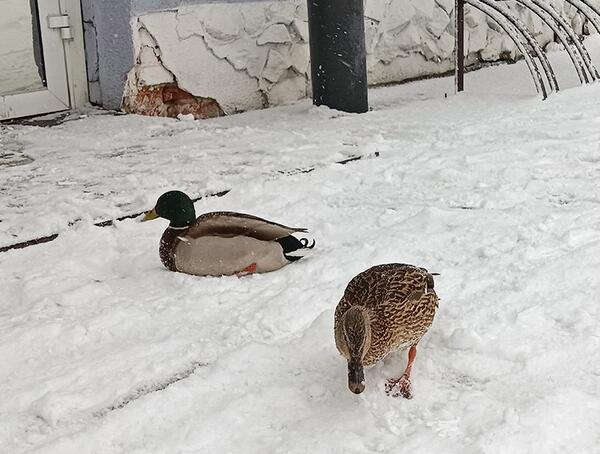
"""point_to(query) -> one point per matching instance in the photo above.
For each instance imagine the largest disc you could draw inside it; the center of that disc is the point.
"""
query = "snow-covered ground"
(104, 351)
(18, 72)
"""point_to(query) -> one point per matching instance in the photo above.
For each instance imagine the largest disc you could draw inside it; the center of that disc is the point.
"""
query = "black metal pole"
(459, 13)
(338, 54)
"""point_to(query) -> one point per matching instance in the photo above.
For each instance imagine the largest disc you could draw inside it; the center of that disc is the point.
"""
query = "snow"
(18, 72)
(104, 351)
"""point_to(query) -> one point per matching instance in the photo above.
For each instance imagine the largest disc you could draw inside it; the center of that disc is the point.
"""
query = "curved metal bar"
(535, 45)
(581, 5)
(570, 32)
(591, 6)
(538, 80)
(562, 37)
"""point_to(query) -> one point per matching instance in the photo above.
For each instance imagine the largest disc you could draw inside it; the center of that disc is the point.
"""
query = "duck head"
(355, 341)
(175, 206)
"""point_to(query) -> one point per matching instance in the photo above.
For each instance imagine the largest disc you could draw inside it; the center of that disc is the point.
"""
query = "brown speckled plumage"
(166, 250)
(398, 302)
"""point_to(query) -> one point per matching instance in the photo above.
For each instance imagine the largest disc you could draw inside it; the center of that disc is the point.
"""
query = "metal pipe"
(535, 45)
(540, 8)
(513, 34)
(591, 6)
(581, 6)
(459, 44)
(338, 54)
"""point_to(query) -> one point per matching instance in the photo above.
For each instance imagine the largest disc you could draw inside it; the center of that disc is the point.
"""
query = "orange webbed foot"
(399, 387)
(248, 270)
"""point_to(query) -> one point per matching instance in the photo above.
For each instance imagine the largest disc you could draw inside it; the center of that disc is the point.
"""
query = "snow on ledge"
(252, 55)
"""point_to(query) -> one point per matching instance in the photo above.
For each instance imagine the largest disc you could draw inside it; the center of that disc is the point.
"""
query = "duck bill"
(356, 377)
(149, 215)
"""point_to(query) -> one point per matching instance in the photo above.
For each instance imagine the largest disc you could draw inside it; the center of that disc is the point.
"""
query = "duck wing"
(391, 284)
(407, 283)
(410, 298)
(229, 224)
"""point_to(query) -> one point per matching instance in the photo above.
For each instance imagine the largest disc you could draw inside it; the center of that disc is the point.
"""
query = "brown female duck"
(222, 243)
(385, 308)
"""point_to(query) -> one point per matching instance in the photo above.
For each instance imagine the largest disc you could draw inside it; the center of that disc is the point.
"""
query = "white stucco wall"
(253, 55)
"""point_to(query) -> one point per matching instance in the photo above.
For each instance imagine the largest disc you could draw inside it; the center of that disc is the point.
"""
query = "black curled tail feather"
(291, 244)
(305, 243)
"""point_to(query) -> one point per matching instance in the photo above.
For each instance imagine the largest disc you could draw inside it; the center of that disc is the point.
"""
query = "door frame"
(64, 64)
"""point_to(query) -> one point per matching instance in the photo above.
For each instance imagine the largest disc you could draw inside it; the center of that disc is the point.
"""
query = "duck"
(222, 243)
(386, 308)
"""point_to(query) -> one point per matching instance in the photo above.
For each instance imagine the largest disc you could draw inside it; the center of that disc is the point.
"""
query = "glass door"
(33, 74)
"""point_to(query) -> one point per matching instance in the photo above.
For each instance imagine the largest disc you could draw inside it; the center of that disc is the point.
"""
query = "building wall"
(109, 42)
(109, 49)
(165, 57)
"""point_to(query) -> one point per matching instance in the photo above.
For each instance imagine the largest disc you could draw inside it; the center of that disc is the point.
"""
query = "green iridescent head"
(175, 206)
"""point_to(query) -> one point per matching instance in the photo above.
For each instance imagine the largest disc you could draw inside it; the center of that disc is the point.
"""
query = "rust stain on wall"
(168, 100)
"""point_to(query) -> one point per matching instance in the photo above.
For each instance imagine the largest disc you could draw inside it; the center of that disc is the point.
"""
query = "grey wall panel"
(110, 57)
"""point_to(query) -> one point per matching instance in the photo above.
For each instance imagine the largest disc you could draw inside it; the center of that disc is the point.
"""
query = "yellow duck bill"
(149, 215)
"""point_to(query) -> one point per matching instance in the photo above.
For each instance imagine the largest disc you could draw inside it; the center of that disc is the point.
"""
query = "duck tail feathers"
(294, 248)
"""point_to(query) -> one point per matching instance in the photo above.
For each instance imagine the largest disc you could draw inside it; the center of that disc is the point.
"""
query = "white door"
(33, 69)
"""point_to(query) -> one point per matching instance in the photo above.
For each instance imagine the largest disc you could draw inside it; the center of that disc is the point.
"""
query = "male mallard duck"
(222, 243)
(386, 308)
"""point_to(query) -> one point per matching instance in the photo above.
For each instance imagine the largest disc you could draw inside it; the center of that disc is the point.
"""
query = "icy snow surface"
(104, 351)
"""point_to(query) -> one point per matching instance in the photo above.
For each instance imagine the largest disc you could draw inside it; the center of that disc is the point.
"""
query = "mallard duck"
(222, 243)
(385, 308)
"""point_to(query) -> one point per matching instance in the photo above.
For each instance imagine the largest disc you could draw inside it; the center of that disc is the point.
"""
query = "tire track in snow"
(289, 172)
(150, 388)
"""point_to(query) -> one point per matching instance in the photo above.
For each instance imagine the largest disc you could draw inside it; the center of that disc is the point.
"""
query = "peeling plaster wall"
(255, 54)
(246, 56)
(108, 37)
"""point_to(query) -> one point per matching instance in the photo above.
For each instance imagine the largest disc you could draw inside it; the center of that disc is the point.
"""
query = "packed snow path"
(104, 351)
